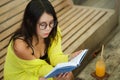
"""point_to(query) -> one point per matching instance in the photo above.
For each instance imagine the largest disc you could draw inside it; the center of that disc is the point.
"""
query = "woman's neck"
(40, 40)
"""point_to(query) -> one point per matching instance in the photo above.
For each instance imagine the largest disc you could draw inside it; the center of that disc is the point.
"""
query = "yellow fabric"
(19, 69)
(55, 51)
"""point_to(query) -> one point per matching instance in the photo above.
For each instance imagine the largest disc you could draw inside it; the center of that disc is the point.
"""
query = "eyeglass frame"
(53, 25)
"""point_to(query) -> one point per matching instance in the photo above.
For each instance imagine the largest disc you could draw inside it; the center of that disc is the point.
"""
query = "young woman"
(35, 48)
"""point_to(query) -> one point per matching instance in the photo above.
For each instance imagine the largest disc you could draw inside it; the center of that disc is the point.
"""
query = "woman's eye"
(43, 24)
(52, 24)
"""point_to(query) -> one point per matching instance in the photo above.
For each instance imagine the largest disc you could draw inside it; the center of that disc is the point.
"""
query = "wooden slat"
(101, 9)
(76, 21)
(73, 20)
(1, 75)
(56, 2)
(9, 31)
(60, 7)
(2, 64)
(67, 14)
(11, 22)
(10, 6)
(1, 67)
(82, 30)
(89, 32)
(2, 54)
(70, 2)
(5, 43)
(3, 2)
(2, 60)
(63, 11)
(68, 18)
(12, 12)
(81, 20)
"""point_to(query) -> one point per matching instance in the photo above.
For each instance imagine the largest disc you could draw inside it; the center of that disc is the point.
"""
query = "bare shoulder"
(22, 50)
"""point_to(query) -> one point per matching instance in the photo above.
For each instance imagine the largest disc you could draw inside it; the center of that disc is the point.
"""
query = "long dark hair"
(33, 12)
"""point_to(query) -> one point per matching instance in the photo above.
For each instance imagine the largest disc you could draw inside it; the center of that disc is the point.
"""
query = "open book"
(67, 66)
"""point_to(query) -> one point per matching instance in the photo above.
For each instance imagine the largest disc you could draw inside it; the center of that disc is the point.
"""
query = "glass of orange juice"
(100, 68)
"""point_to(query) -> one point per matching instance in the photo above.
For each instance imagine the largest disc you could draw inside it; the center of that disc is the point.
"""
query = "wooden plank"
(60, 7)
(76, 20)
(83, 19)
(8, 32)
(11, 22)
(87, 38)
(63, 11)
(73, 16)
(13, 12)
(10, 6)
(1, 75)
(2, 54)
(86, 24)
(1, 67)
(3, 2)
(67, 16)
(70, 2)
(101, 9)
(55, 2)
(2, 60)
(2, 64)
(73, 19)
(5, 43)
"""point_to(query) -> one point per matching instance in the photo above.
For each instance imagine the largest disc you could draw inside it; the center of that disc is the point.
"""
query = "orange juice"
(100, 68)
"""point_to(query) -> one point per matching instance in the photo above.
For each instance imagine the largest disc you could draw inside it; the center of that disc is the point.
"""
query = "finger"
(60, 75)
(65, 74)
(78, 52)
(42, 79)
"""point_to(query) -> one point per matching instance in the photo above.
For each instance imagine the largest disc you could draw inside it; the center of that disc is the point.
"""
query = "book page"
(78, 59)
(60, 65)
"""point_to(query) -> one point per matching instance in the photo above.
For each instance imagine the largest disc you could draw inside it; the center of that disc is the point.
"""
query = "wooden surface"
(111, 51)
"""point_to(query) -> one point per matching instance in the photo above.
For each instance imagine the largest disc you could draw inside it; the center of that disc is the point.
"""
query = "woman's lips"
(46, 34)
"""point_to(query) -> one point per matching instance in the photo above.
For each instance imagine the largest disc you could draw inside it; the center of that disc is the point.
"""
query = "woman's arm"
(55, 52)
(22, 50)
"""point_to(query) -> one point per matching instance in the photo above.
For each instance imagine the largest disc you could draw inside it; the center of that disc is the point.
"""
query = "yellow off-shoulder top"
(16, 68)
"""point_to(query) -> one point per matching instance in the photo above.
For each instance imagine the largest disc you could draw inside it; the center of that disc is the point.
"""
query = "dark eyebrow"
(46, 22)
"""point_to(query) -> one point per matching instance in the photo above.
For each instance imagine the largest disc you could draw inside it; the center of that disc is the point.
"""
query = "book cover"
(67, 66)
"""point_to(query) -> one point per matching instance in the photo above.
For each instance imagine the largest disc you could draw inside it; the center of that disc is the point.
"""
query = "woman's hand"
(42, 79)
(71, 56)
(65, 76)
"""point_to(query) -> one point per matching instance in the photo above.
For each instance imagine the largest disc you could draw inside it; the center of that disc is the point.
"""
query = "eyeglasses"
(44, 25)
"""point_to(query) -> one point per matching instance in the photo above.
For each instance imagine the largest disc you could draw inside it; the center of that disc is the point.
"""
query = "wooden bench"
(82, 27)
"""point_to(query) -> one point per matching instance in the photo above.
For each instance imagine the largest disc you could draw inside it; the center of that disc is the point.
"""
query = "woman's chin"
(45, 36)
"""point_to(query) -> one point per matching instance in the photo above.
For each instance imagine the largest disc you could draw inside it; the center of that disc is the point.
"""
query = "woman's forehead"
(46, 18)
